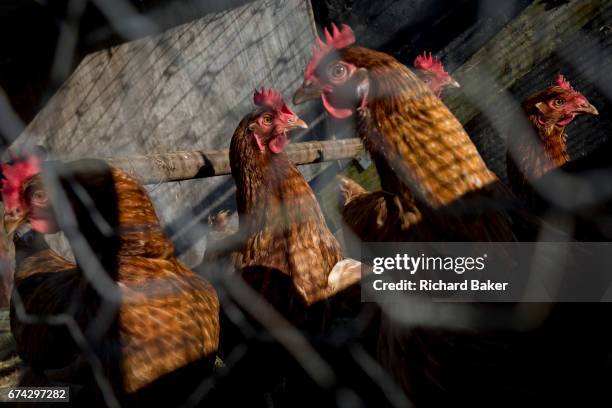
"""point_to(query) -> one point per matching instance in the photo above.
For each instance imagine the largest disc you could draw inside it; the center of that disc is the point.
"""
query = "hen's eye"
(267, 120)
(559, 102)
(337, 71)
(39, 196)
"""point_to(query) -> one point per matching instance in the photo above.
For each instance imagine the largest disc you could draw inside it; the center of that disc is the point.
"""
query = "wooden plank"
(182, 90)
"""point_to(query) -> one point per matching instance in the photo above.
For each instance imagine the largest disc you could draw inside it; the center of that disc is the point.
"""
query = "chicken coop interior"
(196, 196)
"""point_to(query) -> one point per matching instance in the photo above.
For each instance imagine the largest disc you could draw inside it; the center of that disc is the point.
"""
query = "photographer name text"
(439, 285)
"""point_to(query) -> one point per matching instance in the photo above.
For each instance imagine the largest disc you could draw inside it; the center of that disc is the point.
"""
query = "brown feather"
(376, 214)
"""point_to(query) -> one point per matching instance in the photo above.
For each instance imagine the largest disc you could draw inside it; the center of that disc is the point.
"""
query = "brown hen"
(367, 213)
(435, 187)
(550, 111)
(288, 254)
(153, 325)
(429, 168)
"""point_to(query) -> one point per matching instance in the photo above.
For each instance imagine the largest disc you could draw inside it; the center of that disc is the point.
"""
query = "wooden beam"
(175, 166)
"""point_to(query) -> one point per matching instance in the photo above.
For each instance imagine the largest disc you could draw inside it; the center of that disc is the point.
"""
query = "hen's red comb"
(563, 83)
(14, 174)
(338, 39)
(268, 99)
(429, 63)
(271, 99)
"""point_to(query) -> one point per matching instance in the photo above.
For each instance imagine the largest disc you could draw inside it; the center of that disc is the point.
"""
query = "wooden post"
(174, 166)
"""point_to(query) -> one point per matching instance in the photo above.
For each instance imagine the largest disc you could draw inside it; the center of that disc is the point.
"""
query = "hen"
(221, 244)
(425, 160)
(550, 111)
(288, 254)
(150, 322)
(365, 212)
(283, 250)
(429, 168)
(431, 71)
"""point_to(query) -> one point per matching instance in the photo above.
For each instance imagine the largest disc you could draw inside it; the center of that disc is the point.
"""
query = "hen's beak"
(452, 83)
(307, 92)
(588, 109)
(297, 124)
(13, 220)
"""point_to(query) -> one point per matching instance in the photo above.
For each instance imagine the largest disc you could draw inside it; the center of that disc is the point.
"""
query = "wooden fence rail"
(175, 166)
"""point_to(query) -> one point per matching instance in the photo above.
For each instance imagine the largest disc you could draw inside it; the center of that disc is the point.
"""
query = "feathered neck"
(140, 232)
(262, 178)
(123, 222)
(554, 140)
(421, 139)
(256, 172)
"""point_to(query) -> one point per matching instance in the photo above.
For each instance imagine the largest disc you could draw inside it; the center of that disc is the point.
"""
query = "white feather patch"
(345, 273)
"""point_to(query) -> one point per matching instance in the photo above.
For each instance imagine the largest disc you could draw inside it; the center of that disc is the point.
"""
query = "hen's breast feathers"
(286, 231)
(46, 286)
(535, 156)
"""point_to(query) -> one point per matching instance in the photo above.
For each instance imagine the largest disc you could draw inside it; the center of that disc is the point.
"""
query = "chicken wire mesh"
(119, 78)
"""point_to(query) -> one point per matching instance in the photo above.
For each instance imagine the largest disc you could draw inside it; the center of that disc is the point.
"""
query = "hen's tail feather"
(349, 189)
(380, 216)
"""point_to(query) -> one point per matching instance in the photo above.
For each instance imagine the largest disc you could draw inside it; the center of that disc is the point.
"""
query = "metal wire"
(187, 229)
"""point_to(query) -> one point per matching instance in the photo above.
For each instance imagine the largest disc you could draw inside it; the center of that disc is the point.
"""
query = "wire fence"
(164, 80)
